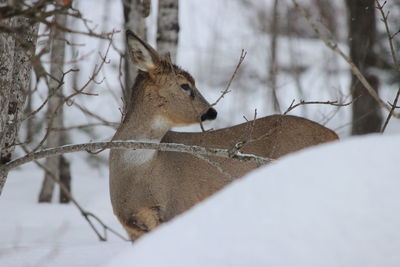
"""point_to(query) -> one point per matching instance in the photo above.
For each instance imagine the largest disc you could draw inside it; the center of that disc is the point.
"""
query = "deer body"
(149, 187)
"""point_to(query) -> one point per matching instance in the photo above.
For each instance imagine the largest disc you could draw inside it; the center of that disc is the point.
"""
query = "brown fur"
(149, 188)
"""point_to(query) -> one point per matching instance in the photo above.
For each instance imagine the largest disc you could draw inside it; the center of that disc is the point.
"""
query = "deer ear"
(142, 54)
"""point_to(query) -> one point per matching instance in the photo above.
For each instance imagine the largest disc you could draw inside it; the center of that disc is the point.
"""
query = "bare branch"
(332, 103)
(246, 139)
(335, 48)
(88, 125)
(390, 37)
(86, 214)
(223, 93)
(172, 147)
(67, 99)
(394, 106)
(94, 115)
(226, 90)
(215, 165)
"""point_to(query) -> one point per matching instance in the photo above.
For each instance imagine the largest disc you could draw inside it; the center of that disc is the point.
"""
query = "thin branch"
(240, 145)
(88, 125)
(171, 147)
(302, 102)
(366, 114)
(226, 90)
(68, 99)
(39, 14)
(223, 93)
(390, 37)
(93, 115)
(216, 165)
(335, 48)
(394, 106)
(86, 214)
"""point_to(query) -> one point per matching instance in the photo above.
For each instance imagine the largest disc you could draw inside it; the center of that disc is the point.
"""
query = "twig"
(390, 37)
(51, 94)
(366, 114)
(239, 145)
(335, 48)
(394, 106)
(332, 103)
(172, 147)
(223, 93)
(67, 99)
(86, 214)
(88, 125)
(226, 90)
(215, 165)
(93, 115)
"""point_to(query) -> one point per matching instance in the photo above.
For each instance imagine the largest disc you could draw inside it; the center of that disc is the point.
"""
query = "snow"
(334, 205)
(331, 205)
(33, 234)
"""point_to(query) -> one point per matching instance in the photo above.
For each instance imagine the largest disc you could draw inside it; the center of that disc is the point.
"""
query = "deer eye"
(186, 87)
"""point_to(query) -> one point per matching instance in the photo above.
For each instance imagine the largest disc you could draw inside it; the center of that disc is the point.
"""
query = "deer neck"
(141, 123)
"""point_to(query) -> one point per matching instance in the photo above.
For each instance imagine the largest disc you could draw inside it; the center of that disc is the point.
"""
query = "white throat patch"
(160, 122)
(141, 156)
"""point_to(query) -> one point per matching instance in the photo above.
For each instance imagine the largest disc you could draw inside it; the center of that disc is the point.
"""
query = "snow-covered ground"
(335, 204)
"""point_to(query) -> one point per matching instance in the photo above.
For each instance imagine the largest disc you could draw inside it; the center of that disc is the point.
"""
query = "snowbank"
(334, 205)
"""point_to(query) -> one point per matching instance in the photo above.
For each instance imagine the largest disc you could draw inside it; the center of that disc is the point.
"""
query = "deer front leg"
(142, 221)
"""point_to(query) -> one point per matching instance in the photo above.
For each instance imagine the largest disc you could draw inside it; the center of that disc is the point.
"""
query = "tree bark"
(168, 27)
(30, 131)
(367, 116)
(65, 179)
(135, 12)
(6, 69)
(16, 52)
(54, 108)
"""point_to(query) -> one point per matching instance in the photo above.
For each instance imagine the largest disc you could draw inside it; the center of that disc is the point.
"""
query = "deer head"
(166, 89)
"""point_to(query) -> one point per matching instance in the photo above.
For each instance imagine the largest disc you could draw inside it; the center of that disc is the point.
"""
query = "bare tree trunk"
(15, 73)
(65, 179)
(64, 167)
(54, 108)
(367, 116)
(168, 27)
(6, 69)
(273, 64)
(135, 12)
(30, 131)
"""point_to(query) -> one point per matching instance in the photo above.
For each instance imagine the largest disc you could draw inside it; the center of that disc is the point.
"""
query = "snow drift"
(333, 205)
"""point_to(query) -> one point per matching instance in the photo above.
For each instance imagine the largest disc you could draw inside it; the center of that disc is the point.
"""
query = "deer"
(149, 187)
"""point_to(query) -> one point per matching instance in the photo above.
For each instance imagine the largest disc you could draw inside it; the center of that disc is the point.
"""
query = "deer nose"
(211, 114)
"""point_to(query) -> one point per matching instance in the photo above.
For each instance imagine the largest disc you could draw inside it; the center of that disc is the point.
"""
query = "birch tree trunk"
(54, 108)
(135, 12)
(16, 53)
(367, 116)
(168, 27)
